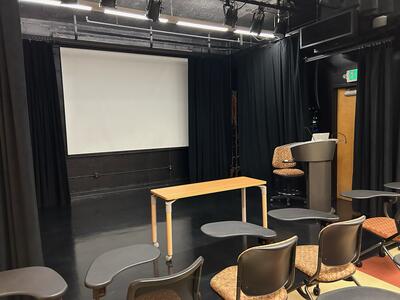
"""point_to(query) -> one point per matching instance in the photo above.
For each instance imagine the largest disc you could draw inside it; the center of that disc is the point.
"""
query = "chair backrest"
(183, 285)
(282, 153)
(340, 243)
(265, 269)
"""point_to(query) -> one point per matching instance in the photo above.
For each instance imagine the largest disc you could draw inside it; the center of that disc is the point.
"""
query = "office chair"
(263, 273)
(37, 282)
(184, 285)
(284, 165)
(333, 259)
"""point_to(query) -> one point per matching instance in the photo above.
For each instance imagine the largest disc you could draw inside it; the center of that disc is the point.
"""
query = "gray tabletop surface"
(393, 185)
(236, 228)
(359, 293)
(38, 282)
(301, 214)
(368, 194)
(397, 259)
(105, 267)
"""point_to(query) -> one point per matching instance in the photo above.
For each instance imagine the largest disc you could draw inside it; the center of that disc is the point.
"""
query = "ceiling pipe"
(267, 5)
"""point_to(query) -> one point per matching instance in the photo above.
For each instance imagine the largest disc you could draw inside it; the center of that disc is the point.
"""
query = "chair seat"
(307, 260)
(224, 284)
(383, 227)
(289, 172)
(165, 294)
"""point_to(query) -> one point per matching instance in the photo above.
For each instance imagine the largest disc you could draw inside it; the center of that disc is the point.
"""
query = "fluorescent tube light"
(202, 26)
(43, 2)
(262, 34)
(77, 6)
(125, 14)
(58, 3)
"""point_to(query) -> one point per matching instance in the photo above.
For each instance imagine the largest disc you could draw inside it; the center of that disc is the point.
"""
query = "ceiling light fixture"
(125, 14)
(280, 26)
(63, 3)
(108, 3)
(262, 34)
(231, 13)
(202, 26)
(258, 20)
(153, 10)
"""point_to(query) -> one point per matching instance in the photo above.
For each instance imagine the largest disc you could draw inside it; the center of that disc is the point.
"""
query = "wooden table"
(174, 193)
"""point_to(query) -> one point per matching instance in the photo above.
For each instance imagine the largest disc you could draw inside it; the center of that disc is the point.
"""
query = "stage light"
(231, 13)
(108, 3)
(72, 5)
(153, 10)
(258, 20)
(262, 34)
(280, 26)
(202, 26)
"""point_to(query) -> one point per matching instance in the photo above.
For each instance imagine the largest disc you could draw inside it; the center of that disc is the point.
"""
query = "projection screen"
(121, 101)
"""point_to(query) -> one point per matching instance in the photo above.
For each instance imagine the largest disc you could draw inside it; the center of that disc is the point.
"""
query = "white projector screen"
(121, 101)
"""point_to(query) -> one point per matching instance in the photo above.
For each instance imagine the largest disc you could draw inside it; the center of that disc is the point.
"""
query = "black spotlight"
(108, 3)
(280, 26)
(153, 10)
(258, 21)
(231, 13)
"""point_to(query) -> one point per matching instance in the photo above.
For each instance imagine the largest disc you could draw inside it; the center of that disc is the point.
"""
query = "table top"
(38, 282)
(108, 265)
(302, 214)
(393, 185)
(359, 293)
(368, 194)
(227, 229)
(207, 187)
(397, 259)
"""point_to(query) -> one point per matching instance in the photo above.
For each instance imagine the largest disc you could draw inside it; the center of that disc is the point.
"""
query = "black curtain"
(20, 243)
(270, 104)
(377, 142)
(209, 117)
(49, 155)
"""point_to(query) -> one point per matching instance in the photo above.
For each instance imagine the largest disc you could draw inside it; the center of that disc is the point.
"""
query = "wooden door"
(346, 113)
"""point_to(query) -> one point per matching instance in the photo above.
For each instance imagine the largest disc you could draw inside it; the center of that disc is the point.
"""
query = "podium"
(318, 155)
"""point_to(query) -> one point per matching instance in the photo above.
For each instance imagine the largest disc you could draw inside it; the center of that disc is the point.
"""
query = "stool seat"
(227, 229)
(359, 293)
(289, 172)
(108, 265)
(37, 282)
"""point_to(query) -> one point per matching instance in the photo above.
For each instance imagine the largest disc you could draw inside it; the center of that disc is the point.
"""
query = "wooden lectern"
(318, 155)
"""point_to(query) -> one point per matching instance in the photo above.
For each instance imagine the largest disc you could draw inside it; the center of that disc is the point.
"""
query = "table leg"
(168, 218)
(244, 212)
(264, 205)
(154, 220)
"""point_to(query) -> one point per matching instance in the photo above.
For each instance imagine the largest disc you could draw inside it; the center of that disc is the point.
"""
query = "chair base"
(383, 250)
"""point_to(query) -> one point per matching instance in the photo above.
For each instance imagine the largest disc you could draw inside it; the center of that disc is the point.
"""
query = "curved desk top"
(108, 265)
(360, 293)
(236, 228)
(393, 185)
(37, 282)
(302, 214)
(368, 194)
(397, 259)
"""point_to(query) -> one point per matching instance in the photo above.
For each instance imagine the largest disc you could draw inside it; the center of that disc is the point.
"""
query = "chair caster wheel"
(359, 264)
(316, 291)
(382, 253)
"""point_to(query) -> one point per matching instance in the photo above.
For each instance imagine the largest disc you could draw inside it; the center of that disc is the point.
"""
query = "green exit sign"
(352, 75)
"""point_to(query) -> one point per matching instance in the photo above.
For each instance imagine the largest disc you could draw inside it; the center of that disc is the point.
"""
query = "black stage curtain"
(46, 128)
(20, 244)
(377, 142)
(209, 117)
(270, 104)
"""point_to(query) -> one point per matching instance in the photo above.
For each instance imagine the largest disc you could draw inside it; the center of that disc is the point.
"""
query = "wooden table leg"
(264, 205)
(154, 220)
(168, 218)
(244, 212)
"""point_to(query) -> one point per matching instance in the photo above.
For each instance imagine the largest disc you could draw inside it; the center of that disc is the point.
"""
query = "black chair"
(333, 258)
(184, 285)
(264, 272)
